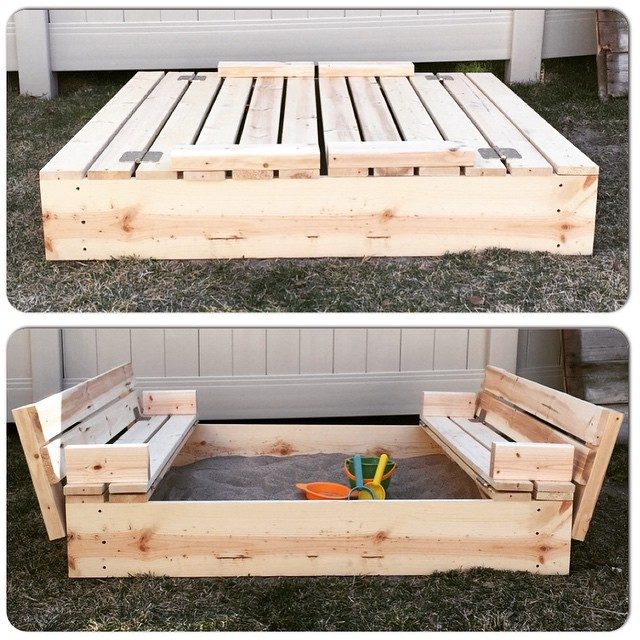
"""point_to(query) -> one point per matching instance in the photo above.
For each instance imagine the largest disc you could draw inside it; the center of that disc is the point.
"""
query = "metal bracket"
(443, 77)
(504, 153)
(488, 153)
(141, 156)
(508, 152)
(191, 78)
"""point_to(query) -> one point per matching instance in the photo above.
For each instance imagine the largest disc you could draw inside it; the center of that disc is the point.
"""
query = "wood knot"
(387, 214)
(588, 181)
(127, 222)
(282, 448)
(145, 538)
(381, 536)
(97, 467)
(48, 244)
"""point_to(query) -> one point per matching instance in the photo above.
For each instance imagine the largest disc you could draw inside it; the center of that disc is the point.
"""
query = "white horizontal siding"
(540, 356)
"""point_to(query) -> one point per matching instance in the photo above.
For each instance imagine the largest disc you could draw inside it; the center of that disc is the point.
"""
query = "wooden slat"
(98, 428)
(454, 124)
(531, 460)
(73, 160)
(413, 119)
(266, 69)
(496, 127)
(263, 121)
(338, 119)
(468, 452)
(182, 127)
(85, 489)
(180, 402)
(139, 132)
(251, 157)
(577, 417)
(364, 69)
(142, 430)
(480, 432)
(61, 410)
(300, 123)
(91, 464)
(425, 153)
(448, 403)
(547, 490)
(376, 121)
(565, 158)
(523, 427)
(223, 122)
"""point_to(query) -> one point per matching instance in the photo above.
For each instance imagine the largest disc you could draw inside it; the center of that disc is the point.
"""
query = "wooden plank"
(416, 215)
(545, 490)
(398, 441)
(532, 461)
(364, 69)
(86, 499)
(422, 153)
(376, 121)
(520, 156)
(338, 119)
(454, 124)
(98, 428)
(91, 464)
(263, 121)
(448, 403)
(577, 417)
(480, 432)
(182, 127)
(164, 447)
(587, 495)
(413, 119)
(317, 538)
(249, 157)
(564, 157)
(266, 69)
(61, 410)
(50, 498)
(73, 160)
(222, 125)
(138, 133)
(142, 430)
(522, 427)
(470, 453)
(300, 123)
(88, 489)
(180, 402)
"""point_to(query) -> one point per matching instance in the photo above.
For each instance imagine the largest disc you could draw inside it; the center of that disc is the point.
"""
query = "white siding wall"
(540, 356)
(266, 373)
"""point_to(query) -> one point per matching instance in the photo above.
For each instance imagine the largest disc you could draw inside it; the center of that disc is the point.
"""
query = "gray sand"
(274, 478)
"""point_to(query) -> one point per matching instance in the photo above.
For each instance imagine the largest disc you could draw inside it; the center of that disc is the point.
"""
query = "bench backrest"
(92, 412)
(527, 411)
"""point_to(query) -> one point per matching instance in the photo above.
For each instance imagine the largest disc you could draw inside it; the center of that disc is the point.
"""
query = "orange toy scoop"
(324, 490)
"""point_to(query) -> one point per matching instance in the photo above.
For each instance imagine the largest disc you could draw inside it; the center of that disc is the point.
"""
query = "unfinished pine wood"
(180, 402)
(339, 120)
(398, 441)
(86, 499)
(522, 427)
(182, 127)
(317, 538)
(480, 432)
(531, 460)
(300, 123)
(545, 490)
(413, 120)
(140, 130)
(308, 218)
(397, 154)
(85, 489)
(448, 403)
(222, 125)
(143, 430)
(565, 158)
(266, 69)
(105, 463)
(364, 69)
(75, 158)
(454, 124)
(263, 121)
(376, 121)
(250, 157)
(577, 417)
(503, 136)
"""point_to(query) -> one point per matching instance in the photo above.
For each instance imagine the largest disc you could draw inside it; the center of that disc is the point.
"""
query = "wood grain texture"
(364, 69)
(180, 402)
(266, 69)
(531, 460)
(92, 464)
(448, 403)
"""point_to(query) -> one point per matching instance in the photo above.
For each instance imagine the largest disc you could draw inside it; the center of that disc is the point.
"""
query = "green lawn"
(593, 597)
(494, 280)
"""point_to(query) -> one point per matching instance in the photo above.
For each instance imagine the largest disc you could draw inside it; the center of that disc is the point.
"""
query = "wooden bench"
(105, 438)
(521, 440)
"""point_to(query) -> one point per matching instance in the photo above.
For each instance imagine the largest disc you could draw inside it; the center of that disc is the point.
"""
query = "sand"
(274, 478)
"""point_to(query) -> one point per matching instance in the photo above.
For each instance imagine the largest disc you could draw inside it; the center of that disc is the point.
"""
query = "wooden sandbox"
(264, 160)
(96, 453)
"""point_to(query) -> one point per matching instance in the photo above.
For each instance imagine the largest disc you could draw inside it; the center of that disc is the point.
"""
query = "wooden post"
(34, 59)
(526, 46)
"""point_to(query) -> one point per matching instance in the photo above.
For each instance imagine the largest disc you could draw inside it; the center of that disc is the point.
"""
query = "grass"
(495, 280)
(593, 597)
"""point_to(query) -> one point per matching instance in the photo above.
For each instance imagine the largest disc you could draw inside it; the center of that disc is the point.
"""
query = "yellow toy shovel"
(377, 490)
